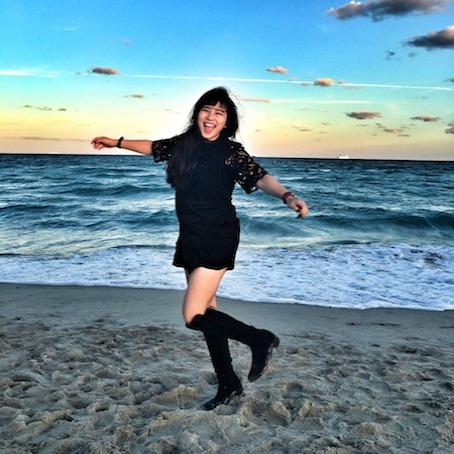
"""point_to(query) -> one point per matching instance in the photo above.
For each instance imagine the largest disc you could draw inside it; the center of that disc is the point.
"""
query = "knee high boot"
(260, 341)
(229, 384)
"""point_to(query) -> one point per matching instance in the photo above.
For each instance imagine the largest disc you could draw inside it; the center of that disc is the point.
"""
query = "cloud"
(380, 9)
(443, 39)
(254, 99)
(348, 11)
(106, 71)
(30, 72)
(363, 115)
(135, 95)
(392, 130)
(450, 130)
(278, 69)
(426, 118)
(45, 108)
(324, 82)
(53, 139)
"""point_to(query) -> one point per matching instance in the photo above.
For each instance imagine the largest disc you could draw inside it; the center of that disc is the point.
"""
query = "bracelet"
(286, 196)
(119, 142)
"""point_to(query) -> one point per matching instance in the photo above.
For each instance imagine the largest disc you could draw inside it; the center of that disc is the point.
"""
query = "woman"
(203, 165)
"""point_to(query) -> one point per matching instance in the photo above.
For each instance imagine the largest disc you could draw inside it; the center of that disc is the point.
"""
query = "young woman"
(203, 165)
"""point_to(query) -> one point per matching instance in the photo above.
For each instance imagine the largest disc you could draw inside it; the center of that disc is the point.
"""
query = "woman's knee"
(201, 292)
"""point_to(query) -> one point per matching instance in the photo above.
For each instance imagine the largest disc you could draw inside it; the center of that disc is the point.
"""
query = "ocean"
(379, 233)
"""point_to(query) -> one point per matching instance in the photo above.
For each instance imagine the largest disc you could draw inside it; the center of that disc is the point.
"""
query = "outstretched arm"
(271, 186)
(139, 146)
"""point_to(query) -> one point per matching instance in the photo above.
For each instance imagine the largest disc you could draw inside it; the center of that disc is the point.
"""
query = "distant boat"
(343, 156)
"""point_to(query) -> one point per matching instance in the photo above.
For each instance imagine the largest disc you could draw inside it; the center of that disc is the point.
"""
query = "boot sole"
(274, 344)
(213, 403)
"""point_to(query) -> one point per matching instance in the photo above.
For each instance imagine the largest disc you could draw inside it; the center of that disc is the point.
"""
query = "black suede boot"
(229, 384)
(260, 341)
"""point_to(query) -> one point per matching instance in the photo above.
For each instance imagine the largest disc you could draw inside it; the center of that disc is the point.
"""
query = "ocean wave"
(343, 276)
(377, 233)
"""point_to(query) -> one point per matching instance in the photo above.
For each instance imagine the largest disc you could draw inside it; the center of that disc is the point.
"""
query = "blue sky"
(371, 79)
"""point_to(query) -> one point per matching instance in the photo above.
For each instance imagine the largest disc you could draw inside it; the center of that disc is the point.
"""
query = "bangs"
(211, 98)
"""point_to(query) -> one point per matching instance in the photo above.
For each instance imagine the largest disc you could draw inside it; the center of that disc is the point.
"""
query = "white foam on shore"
(347, 276)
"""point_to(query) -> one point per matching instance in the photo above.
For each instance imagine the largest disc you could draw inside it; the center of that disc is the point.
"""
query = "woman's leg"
(198, 300)
(213, 303)
(261, 342)
(203, 284)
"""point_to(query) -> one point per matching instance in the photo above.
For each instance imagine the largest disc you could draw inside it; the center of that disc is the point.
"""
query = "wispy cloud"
(30, 72)
(380, 9)
(278, 69)
(293, 81)
(52, 139)
(443, 39)
(220, 80)
(363, 115)
(265, 100)
(426, 118)
(45, 108)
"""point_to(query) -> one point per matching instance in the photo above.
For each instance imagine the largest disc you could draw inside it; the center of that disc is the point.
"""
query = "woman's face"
(211, 121)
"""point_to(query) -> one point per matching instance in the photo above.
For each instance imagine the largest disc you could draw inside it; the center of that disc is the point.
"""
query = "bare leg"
(213, 304)
(203, 284)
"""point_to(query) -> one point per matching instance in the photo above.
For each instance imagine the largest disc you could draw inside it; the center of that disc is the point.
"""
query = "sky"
(315, 79)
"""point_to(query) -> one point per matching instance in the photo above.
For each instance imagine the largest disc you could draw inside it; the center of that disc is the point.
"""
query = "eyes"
(212, 110)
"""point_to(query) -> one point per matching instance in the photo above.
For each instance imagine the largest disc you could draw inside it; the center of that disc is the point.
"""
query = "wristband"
(119, 142)
(286, 196)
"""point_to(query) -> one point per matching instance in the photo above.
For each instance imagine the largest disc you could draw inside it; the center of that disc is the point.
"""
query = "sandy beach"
(87, 370)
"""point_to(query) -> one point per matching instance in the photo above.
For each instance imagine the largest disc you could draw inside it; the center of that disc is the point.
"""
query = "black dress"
(209, 229)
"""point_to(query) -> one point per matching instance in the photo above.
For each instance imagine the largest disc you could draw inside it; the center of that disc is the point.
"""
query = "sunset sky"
(372, 79)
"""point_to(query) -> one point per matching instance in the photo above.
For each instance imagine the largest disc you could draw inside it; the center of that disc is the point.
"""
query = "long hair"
(184, 159)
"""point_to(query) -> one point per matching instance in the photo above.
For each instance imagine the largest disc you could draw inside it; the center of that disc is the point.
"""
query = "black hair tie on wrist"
(119, 142)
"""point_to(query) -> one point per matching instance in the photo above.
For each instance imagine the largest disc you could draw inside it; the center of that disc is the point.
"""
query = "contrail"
(54, 74)
(296, 82)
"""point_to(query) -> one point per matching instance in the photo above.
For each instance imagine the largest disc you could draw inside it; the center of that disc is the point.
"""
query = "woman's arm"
(139, 146)
(271, 186)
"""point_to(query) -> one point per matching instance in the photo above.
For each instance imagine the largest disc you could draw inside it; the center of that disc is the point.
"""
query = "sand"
(112, 370)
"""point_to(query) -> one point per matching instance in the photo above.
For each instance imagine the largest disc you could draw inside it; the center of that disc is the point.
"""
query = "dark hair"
(211, 98)
(184, 159)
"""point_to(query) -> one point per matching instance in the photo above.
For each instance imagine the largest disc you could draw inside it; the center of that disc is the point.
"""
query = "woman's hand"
(271, 186)
(103, 142)
(297, 205)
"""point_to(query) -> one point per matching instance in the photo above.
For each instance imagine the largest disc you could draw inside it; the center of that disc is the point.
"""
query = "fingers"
(301, 209)
(100, 142)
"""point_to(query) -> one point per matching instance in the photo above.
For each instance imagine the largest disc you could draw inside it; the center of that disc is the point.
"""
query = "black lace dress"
(209, 228)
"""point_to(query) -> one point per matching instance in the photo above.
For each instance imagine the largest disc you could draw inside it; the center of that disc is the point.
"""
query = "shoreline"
(113, 370)
(163, 306)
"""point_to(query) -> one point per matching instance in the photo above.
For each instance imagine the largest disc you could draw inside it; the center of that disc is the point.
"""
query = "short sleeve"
(246, 171)
(163, 149)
